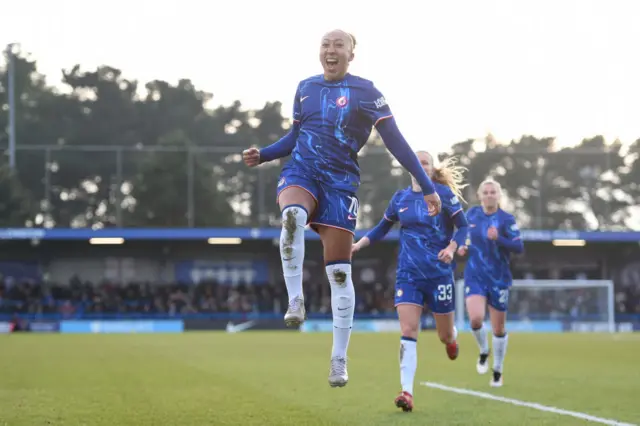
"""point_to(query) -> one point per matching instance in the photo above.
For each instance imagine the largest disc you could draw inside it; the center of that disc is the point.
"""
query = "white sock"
(499, 351)
(294, 219)
(343, 298)
(482, 339)
(408, 363)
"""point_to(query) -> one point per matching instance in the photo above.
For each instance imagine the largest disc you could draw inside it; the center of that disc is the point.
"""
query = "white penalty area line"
(533, 405)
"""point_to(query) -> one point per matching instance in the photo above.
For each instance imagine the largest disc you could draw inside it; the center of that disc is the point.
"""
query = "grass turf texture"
(271, 378)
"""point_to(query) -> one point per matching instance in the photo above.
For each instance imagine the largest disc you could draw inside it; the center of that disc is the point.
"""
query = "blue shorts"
(440, 295)
(334, 207)
(497, 296)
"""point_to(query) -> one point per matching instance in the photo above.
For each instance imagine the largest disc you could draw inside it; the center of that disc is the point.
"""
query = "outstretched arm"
(382, 228)
(281, 148)
(377, 233)
(285, 145)
(400, 149)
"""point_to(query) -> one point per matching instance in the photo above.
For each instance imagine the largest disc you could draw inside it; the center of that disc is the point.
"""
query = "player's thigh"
(498, 321)
(409, 302)
(295, 189)
(409, 317)
(475, 300)
(335, 221)
(336, 243)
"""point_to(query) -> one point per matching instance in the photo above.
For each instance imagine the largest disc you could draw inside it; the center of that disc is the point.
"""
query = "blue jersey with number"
(422, 237)
(336, 119)
(489, 260)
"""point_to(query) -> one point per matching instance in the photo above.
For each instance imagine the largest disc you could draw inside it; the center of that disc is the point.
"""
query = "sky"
(450, 70)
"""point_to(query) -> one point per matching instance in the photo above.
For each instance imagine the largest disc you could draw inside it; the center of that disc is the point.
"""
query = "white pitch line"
(533, 405)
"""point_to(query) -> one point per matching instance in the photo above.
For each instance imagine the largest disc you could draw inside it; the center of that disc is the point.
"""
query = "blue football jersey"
(336, 119)
(489, 261)
(422, 236)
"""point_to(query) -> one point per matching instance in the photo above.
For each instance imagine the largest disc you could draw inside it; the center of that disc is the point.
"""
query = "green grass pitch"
(271, 378)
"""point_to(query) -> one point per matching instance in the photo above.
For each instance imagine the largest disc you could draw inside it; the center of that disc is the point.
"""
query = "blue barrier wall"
(135, 326)
(267, 234)
(241, 322)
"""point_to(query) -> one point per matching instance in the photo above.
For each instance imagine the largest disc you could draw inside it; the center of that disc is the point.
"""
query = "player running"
(425, 263)
(493, 236)
(334, 114)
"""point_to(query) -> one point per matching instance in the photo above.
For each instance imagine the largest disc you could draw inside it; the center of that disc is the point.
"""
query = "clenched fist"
(251, 157)
(434, 204)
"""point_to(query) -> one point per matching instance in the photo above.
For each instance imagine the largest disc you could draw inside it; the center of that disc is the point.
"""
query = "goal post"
(552, 306)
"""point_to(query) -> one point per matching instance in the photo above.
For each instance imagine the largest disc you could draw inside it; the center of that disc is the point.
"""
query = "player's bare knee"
(476, 322)
(336, 244)
(409, 329)
(499, 330)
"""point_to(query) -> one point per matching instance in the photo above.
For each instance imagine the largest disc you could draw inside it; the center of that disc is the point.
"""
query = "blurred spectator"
(375, 298)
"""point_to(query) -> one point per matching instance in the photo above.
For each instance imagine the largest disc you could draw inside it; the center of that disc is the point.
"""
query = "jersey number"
(504, 297)
(353, 208)
(445, 292)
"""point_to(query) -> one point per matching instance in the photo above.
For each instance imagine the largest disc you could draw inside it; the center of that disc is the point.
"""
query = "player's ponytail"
(450, 174)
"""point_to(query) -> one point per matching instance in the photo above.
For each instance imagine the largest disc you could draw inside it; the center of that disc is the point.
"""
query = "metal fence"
(85, 185)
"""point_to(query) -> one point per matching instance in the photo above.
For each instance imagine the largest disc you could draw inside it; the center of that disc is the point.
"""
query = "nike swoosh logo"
(352, 217)
(231, 328)
(303, 98)
(404, 209)
(344, 309)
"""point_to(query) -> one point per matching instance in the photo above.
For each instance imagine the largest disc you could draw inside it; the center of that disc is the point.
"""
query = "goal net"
(552, 306)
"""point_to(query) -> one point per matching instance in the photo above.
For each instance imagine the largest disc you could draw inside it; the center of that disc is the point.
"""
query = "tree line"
(122, 153)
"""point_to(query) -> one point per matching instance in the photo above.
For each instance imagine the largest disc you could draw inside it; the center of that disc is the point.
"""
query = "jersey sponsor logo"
(380, 102)
(342, 101)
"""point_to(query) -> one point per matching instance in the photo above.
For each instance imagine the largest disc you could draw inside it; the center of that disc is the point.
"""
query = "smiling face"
(336, 52)
(489, 195)
(426, 161)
